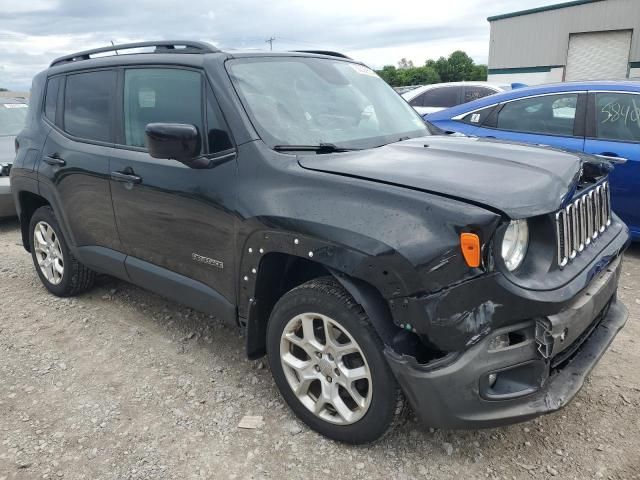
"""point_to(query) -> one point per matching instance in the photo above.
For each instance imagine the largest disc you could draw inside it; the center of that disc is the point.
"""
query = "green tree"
(389, 74)
(418, 76)
(479, 73)
(405, 64)
(455, 68)
(4, 89)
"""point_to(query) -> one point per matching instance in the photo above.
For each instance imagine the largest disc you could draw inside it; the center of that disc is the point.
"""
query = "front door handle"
(128, 177)
(54, 160)
(613, 158)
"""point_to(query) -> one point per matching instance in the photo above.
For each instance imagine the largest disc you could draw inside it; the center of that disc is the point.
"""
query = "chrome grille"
(582, 221)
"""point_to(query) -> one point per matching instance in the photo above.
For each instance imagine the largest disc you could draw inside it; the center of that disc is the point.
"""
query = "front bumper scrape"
(449, 397)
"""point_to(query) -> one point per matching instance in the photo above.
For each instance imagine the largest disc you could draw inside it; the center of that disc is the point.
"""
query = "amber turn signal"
(470, 245)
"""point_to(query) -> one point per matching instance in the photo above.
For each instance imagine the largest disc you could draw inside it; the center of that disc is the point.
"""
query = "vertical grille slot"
(580, 222)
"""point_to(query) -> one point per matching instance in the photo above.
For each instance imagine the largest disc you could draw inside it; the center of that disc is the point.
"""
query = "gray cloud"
(33, 34)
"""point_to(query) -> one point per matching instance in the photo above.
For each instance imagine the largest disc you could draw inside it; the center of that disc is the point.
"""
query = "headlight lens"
(515, 243)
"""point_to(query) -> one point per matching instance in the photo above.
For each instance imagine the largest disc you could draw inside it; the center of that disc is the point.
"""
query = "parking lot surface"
(122, 384)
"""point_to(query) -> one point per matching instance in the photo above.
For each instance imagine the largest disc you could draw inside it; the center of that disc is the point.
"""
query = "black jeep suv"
(297, 196)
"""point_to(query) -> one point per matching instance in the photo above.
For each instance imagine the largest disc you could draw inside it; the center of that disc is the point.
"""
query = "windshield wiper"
(319, 148)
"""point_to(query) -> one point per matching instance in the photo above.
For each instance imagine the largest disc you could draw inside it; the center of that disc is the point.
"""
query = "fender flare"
(373, 304)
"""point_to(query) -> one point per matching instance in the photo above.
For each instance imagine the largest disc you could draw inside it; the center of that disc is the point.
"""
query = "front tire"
(60, 272)
(327, 361)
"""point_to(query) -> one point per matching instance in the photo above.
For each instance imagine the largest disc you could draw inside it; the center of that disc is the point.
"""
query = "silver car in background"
(438, 96)
(13, 113)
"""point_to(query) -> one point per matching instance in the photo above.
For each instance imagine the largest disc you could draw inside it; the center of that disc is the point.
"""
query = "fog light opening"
(499, 342)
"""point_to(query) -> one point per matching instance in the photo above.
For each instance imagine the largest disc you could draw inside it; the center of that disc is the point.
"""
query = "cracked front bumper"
(460, 394)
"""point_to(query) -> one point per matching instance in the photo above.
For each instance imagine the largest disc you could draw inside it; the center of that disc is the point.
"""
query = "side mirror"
(174, 141)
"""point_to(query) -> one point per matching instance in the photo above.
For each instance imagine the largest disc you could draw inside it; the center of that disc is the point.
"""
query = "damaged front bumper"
(519, 371)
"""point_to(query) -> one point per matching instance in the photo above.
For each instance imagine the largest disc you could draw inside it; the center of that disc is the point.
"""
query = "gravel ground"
(122, 384)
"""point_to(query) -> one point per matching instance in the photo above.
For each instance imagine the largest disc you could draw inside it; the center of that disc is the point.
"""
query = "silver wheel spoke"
(341, 408)
(57, 264)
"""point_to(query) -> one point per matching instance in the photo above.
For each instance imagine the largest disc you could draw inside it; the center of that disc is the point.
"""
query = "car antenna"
(113, 45)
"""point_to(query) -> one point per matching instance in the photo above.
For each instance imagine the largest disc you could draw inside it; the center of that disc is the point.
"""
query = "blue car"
(600, 118)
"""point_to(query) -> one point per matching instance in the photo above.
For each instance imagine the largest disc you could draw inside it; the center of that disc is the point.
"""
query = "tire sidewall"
(383, 402)
(45, 214)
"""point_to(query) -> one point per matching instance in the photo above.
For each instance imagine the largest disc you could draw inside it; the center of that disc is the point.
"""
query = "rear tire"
(327, 361)
(60, 272)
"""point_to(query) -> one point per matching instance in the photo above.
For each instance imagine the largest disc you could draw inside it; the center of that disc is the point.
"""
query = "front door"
(614, 132)
(177, 219)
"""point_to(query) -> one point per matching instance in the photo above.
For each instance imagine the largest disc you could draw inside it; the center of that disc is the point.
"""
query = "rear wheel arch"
(28, 203)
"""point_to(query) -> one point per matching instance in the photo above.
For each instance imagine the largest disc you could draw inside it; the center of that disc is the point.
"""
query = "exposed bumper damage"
(518, 371)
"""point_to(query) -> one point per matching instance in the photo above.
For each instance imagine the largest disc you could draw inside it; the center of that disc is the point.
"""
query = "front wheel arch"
(279, 273)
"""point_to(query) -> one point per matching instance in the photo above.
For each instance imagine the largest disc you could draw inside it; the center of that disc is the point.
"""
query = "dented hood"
(516, 179)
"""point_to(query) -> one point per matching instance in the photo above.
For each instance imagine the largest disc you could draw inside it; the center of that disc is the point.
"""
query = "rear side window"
(618, 116)
(479, 117)
(51, 98)
(88, 105)
(166, 95)
(548, 114)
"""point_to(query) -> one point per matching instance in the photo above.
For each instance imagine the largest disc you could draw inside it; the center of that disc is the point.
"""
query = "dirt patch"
(122, 384)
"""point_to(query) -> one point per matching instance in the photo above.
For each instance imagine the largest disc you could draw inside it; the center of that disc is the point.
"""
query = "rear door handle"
(54, 160)
(126, 177)
(613, 158)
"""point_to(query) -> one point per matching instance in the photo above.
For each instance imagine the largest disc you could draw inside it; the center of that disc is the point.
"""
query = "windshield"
(313, 101)
(12, 118)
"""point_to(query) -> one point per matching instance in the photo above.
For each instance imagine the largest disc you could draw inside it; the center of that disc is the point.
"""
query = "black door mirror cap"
(173, 141)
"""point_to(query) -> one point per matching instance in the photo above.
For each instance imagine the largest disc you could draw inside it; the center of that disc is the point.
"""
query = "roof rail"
(325, 52)
(163, 46)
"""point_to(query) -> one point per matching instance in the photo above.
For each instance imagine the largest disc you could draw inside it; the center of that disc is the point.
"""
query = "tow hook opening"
(413, 345)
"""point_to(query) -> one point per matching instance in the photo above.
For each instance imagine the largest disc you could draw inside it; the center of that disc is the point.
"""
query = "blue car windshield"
(311, 101)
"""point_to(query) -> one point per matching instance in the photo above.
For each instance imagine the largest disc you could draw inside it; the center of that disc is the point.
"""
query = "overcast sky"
(33, 32)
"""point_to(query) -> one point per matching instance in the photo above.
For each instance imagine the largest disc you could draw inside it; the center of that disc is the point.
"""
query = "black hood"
(7, 149)
(516, 179)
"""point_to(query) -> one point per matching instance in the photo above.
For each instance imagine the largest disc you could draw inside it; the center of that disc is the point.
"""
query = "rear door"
(555, 120)
(74, 169)
(613, 130)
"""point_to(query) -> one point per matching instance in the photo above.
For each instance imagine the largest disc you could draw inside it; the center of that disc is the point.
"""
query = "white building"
(578, 40)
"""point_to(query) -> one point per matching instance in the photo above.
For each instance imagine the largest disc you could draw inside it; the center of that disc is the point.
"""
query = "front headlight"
(515, 243)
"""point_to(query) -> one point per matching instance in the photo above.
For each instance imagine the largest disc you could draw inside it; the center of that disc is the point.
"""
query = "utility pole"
(270, 42)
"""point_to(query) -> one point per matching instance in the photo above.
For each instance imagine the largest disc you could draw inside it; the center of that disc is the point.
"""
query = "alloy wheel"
(325, 368)
(48, 253)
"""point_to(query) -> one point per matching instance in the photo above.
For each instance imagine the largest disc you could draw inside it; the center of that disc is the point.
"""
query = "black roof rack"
(325, 52)
(163, 46)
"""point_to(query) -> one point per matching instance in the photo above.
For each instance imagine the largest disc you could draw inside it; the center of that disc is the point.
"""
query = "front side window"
(88, 105)
(12, 118)
(548, 114)
(308, 101)
(164, 95)
(618, 116)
